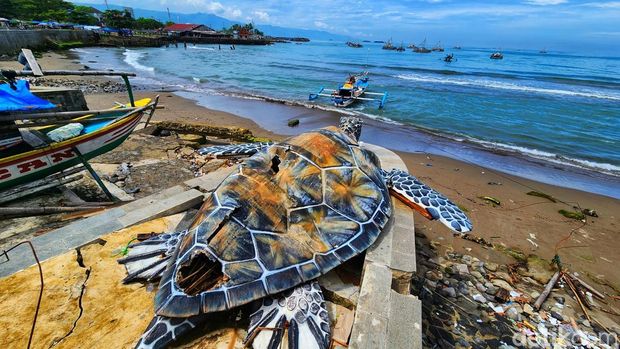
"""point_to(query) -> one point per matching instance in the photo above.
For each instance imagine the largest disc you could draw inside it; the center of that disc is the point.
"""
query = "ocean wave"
(133, 59)
(494, 84)
(201, 48)
(606, 168)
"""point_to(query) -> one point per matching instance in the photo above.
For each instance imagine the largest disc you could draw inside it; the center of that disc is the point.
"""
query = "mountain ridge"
(216, 22)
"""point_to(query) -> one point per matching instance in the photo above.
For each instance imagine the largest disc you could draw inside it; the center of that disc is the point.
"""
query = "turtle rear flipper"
(147, 260)
(299, 313)
(427, 201)
(234, 149)
(164, 330)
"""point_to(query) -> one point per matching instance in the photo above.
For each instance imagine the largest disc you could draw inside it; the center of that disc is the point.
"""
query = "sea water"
(560, 108)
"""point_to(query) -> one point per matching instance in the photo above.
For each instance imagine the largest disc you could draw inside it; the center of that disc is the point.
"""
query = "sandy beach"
(521, 224)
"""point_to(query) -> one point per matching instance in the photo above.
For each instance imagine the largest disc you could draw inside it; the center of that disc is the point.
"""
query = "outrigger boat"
(36, 141)
(352, 90)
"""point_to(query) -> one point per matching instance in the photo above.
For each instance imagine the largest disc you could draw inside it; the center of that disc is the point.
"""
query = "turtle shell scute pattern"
(290, 213)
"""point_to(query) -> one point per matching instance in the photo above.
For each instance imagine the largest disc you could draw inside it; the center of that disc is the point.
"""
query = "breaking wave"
(501, 85)
(133, 59)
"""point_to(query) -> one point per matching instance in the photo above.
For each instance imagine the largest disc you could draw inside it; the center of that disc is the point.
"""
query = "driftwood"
(578, 296)
(583, 284)
(543, 296)
(38, 211)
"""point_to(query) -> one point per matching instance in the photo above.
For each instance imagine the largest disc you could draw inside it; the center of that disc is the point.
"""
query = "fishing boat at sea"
(389, 46)
(421, 48)
(497, 55)
(354, 44)
(438, 48)
(354, 89)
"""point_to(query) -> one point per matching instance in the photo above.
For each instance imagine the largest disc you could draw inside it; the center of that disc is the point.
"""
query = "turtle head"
(352, 126)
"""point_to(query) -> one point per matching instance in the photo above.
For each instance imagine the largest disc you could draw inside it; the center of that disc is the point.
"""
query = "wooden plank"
(32, 62)
(71, 72)
(70, 195)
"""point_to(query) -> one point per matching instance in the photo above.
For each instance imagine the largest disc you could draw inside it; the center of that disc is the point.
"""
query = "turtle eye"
(275, 164)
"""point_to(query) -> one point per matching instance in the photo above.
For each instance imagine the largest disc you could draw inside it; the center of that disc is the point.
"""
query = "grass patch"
(542, 195)
(490, 199)
(67, 44)
(572, 215)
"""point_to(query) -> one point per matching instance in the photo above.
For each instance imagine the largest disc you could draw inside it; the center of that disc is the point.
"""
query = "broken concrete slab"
(339, 292)
(209, 182)
(173, 204)
(405, 322)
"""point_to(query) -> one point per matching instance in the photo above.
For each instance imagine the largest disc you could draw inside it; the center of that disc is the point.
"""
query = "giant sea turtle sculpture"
(292, 211)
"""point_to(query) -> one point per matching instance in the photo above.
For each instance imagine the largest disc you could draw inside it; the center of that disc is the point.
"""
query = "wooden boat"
(101, 134)
(496, 55)
(422, 48)
(351, 91)
(388, 46)
(438, 48)
(354, 44)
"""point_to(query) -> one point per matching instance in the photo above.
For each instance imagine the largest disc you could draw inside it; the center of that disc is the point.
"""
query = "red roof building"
(188, 29)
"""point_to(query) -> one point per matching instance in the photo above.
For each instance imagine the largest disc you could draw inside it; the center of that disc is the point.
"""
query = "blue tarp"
(20, 99)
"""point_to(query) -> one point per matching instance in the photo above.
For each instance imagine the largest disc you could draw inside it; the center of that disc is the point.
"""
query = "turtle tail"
(148, 259)
(299, 313)
(164, 330)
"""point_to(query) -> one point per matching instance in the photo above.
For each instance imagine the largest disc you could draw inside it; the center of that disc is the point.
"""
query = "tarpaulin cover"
(20, 99)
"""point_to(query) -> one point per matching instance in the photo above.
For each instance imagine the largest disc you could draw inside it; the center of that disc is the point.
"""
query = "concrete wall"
(11, 41)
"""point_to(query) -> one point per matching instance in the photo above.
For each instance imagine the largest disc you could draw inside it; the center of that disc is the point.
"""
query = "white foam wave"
(551, 157)
(495, 84)
(202, 48)
(133, 59)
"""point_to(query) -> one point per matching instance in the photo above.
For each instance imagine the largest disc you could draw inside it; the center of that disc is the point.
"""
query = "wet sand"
(522, 222)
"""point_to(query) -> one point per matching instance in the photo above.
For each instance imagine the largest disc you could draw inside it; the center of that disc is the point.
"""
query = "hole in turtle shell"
(200, 274)
(275, 164)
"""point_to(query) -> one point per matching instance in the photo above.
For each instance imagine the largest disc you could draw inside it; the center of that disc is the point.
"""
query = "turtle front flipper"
(147, 260)
(234, 149)
(164, 330)
(428, 202)
(299, 313)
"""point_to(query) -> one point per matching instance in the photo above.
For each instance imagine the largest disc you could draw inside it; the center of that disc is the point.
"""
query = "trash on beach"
(494, 183)
(491, 200)
(589, 212)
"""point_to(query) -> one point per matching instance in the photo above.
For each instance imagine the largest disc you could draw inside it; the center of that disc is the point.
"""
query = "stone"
(448, 292)
(528, 309)
(502, 284)
(467, 259)
(460, 269)
(559, 299)
(513, 313)
(535, 294)
(538, 269)
(556, 315)
(477, 275)
(491, 290)
(434, 275)
(502, 295)
(490, 266)
(480, 287)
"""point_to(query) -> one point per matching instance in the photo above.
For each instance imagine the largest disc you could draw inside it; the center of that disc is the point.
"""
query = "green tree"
(50, 9)
(118, 19)
(147, 23)
(169, 23)
(82, 15)
(9, 9)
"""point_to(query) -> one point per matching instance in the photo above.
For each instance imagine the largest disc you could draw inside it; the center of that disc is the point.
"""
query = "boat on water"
(388, 46)
(353, 89)
(449, 58)
(354, 44)
(497, 55)
(400, 48)
(421, 48)
(438, 48)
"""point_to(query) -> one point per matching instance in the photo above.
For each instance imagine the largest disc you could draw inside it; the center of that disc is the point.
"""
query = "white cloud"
(262, 16)
(546, 2)
(321, 25)
(216, 8)
(610, 4)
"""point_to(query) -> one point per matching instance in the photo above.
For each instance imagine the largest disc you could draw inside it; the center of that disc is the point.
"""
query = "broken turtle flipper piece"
(234, 149)
(147, 260)
(164, 330)
(298, 313)
(427, 201)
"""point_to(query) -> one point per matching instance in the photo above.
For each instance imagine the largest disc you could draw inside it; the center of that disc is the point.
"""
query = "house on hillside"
(187, 29)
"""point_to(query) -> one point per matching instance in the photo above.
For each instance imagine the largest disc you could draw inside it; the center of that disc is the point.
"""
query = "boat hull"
(38, 163)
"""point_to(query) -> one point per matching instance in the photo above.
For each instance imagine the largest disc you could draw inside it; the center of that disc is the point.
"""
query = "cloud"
(322, 25)
(604, 5)
(546, 2)
(261, 16)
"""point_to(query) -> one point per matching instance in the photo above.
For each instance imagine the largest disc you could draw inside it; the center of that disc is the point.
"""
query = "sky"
(565, 25)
